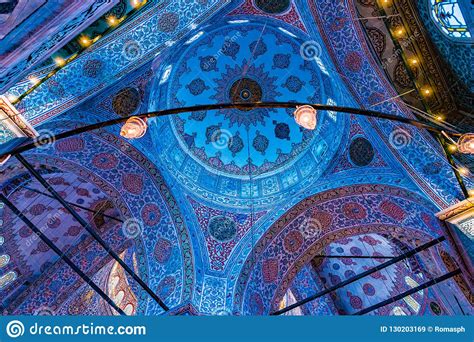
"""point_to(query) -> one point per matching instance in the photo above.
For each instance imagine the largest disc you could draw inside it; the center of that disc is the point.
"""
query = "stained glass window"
(398, 311)
(412, 303)
(412, 283)
(4, 259)
(7, 279)
(409, 299)
(449, 17)
(288, 300)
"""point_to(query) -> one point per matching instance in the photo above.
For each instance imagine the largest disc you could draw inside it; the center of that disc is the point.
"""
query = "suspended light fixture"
(138, 3)
(134, 128)
(112, 20)
(85, 41)
(464, 171)
(305, 116)
(466, 143)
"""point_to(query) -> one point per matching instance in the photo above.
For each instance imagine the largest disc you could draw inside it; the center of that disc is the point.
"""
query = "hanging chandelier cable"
(134, 129)
(40, 141)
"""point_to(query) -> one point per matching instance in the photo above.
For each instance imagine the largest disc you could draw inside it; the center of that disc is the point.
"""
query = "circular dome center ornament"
(126, 101)
(245, 90)
(361, 152)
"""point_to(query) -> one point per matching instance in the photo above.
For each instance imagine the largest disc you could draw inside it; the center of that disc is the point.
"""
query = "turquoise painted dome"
(243, 154)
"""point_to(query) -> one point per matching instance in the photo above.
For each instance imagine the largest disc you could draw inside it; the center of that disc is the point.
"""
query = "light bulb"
(112, 20)
(85, 41)
(465, 143)
(59, 61)
(305, 116)
(134, 128)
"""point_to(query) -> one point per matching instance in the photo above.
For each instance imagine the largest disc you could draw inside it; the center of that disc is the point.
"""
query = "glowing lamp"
(466, 143)
(85, 41)
(34, 80)
(137, 3)
(112, 20)
(399, 32)
(134, 128)
(305, 116)
(60, 62)
(426, 91)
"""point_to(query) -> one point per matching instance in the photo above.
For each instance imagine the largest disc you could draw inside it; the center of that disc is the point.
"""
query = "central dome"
(245, 90)
(244, 63)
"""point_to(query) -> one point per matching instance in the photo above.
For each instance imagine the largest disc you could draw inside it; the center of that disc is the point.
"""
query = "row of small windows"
(10, 276)
(409, 300)
(290, 299)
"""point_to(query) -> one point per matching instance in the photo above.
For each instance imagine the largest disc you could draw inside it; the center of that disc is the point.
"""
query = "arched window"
(411, 302)
(398, 311)
(287, 300)
(7, 279)
(4, 259)
(450, 17)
